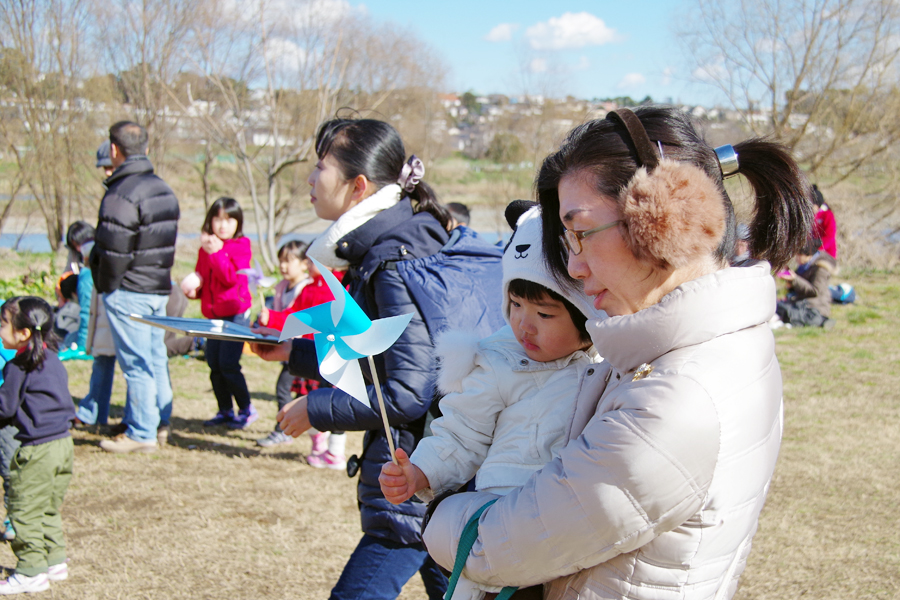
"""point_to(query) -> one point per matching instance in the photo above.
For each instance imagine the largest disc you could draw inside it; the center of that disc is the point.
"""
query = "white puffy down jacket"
(658, 492)
(507, 418)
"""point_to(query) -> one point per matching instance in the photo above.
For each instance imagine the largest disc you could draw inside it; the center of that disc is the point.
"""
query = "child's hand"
(211, 243)
(399, 482)
(294, 417)
(264, 317)
(191, 284)
(271, 352)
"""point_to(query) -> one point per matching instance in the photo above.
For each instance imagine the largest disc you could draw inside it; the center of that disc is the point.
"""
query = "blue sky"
(585, 49)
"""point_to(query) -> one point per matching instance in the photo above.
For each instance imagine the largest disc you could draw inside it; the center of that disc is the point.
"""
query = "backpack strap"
(466, 541)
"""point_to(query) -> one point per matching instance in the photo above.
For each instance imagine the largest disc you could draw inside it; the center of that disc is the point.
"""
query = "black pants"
(283, 390)
(224, 360)
(798, 314)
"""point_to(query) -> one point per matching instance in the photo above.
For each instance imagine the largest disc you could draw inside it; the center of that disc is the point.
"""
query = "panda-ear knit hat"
(524, 259)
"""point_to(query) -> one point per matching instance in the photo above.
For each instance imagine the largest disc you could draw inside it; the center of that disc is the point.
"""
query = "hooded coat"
(811, 283)
(670, 453)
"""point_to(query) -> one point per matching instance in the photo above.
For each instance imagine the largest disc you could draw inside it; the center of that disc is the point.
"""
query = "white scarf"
(323, 247)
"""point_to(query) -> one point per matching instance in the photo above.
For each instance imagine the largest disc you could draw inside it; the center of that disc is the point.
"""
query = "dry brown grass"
(212, 516)
(831, 525)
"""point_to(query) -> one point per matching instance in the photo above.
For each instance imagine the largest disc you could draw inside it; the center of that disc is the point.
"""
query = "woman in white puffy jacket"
(509, 397)
(674, 438)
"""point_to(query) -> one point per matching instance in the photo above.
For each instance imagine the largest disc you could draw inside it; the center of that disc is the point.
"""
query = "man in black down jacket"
(131, 263)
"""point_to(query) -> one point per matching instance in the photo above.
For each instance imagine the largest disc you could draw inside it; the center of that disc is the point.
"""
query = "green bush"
(32, 283)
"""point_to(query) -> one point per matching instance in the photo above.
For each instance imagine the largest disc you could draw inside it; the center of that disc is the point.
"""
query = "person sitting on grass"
(35, 398)
(808, 302)
(79, 234)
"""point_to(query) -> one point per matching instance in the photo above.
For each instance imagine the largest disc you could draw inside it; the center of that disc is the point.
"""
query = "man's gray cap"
(103, 158)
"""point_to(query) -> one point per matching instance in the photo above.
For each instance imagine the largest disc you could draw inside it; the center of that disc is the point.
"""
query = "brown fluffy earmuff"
(673, 214)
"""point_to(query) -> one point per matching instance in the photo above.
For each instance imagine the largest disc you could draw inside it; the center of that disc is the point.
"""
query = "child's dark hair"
(78, 233)
(535, 292)
(231, 208)
(34, 314)
(374, 149)
(294, 248)
(68, 287)
(811, 246)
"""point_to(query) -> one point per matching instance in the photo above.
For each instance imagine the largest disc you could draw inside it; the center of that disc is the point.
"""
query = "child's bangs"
(533, 292)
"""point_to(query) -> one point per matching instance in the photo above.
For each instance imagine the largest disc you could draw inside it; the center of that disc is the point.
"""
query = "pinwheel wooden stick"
(381, 408)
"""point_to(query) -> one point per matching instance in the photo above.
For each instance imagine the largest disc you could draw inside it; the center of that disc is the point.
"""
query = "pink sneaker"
(327, 460)
(319, 443)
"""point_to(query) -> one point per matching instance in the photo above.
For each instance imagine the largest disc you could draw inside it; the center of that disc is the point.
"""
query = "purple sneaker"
(221, 418)
(244, 418)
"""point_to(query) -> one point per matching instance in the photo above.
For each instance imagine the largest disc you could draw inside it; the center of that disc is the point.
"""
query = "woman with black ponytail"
(383, 212)
(35, 398)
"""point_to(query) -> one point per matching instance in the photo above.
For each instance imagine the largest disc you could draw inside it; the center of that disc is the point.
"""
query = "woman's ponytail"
(784, 212)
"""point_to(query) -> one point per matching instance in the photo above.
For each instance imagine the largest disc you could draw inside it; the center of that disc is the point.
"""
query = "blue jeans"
(378, 569)
(94, 407)
(224, 360)
(141, 352)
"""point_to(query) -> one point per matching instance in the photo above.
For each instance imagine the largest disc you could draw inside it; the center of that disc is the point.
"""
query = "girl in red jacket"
(301, 288)
(224, 295)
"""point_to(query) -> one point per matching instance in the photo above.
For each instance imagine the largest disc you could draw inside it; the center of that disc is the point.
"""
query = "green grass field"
(213, 516)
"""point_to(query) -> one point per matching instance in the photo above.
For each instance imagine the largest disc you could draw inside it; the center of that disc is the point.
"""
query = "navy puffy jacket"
(406, 370)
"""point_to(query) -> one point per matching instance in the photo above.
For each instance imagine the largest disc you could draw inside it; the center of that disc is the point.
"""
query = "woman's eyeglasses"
(572, 238)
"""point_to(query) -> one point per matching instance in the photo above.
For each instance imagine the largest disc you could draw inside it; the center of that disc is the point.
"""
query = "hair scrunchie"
(412, 173)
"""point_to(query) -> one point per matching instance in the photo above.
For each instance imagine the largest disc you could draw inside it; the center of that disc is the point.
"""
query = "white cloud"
(283, 17)
(710, 72)
(631, 81)
(770, 46)
(502, 32)
(571, 30)
(538, 65)
(667, 74)
(287, 57)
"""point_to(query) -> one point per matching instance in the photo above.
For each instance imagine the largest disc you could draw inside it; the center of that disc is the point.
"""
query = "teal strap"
(466, 541)
(506, 592)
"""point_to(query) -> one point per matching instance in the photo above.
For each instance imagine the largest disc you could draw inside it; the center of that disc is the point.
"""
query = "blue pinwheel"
(342, 334)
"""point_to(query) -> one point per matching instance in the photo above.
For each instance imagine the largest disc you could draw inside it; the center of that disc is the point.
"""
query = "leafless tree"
(146, 43)
(819, 75)
(43, 124)
(248, 79)
(305, 63)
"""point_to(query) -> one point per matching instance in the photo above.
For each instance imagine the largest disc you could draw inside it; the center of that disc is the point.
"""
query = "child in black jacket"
(35, 398)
